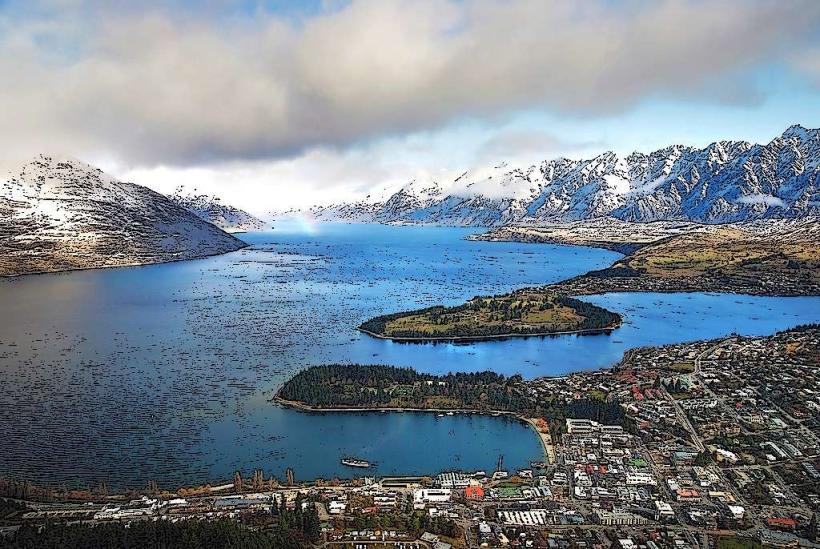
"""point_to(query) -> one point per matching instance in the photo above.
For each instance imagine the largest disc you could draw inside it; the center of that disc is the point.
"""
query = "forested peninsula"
(341, 387)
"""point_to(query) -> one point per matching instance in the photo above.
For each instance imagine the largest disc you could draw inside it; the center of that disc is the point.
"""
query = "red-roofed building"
(474, 491)
(781, 523)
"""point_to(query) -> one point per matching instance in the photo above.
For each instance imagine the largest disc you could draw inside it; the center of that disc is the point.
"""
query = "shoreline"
(455, 339)
(124, 265)
(623, 248)
(303, 407)
(545, 439)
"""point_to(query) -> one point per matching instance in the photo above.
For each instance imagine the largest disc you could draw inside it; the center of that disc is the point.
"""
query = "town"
(718, 447)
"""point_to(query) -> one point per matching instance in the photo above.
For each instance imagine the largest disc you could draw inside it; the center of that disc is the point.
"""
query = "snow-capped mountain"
(727, 181)
(62, 214)
(212, 210)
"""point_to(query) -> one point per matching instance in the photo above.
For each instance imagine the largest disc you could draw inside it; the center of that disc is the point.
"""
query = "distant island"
(519, 314)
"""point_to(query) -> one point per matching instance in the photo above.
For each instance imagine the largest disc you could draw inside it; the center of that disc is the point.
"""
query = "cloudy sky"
(278, 104)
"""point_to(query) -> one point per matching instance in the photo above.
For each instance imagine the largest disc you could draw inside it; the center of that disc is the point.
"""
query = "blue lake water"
(165, 372)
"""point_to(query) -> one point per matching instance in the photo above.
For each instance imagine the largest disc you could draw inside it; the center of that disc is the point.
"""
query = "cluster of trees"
(18, 489)
(606, 412)
(302, 519)
(594, 317)
(10, 507)
(415, 522)
(355, 385)
(188, 534)
(675, 386)
(505, 310)
(509, 308)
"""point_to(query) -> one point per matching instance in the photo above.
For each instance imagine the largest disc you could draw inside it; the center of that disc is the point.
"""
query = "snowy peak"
(800, 133)
(211, 209)
(726, 181)
(59, 214)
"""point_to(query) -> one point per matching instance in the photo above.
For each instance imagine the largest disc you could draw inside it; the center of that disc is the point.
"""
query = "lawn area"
(736, 542)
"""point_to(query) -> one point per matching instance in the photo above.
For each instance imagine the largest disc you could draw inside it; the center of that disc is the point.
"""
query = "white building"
(453, 480)
(663, 511)
(431, 495)
(640, 479)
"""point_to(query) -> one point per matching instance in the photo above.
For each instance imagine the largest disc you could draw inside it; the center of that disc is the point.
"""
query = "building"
(640, 479)
(336, 507)
(737, 511)
(453, 480)
(474, 491)
(582, 426)
(619, 518)
(431, 495)
(663, 511)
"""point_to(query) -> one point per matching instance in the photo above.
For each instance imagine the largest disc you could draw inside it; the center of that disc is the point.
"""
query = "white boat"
(353, 462)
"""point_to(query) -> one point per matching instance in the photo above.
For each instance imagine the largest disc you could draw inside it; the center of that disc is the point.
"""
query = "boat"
(353, 462)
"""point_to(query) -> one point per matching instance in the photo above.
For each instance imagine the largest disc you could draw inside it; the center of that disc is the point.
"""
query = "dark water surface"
(164, 372)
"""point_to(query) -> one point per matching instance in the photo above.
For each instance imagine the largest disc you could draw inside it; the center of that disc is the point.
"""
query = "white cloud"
(156, 85)
(763, 199)
(264, 187)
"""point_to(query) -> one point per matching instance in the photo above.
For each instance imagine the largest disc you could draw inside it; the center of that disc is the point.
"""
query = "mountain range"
(727, 181)
(62, 214)
(211, 209)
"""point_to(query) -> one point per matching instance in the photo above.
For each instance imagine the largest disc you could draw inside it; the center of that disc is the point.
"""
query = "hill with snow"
(728, 181)
(211, 209)
(62, 214)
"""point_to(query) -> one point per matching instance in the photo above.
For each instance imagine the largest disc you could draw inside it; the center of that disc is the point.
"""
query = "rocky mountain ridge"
(727, 181)
(62, 214)
(211, 209)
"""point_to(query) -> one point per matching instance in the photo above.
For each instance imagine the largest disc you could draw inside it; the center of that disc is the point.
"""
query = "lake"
(165, 372)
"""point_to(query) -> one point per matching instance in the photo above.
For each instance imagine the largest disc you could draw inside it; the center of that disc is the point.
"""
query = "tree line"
(356, 385)
(188, 534)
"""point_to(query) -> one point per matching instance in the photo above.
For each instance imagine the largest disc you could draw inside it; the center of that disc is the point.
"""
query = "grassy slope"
(520, 313)
(730, 251)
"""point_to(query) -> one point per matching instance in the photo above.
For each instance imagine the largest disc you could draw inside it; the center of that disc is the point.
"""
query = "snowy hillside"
(212, 210)
(58, 214)
(727, 181)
